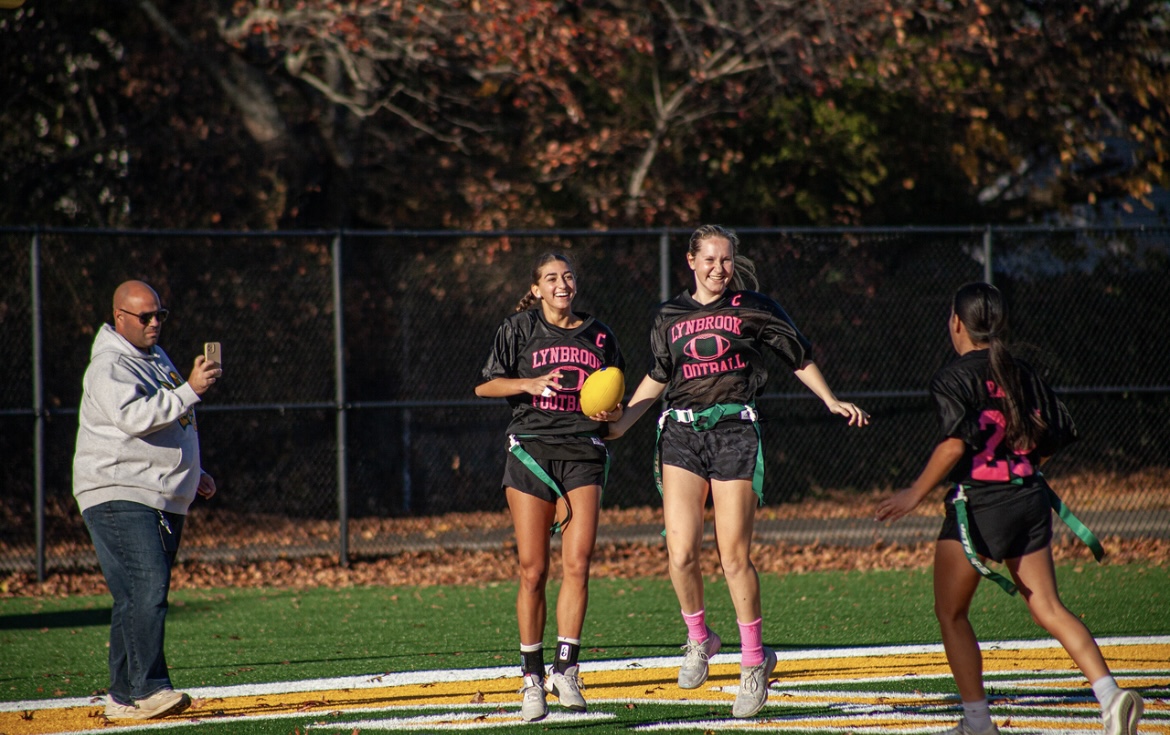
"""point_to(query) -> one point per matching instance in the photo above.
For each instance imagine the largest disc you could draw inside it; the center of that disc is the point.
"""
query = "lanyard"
(706, 420)
(1075, 525)
(534, 467)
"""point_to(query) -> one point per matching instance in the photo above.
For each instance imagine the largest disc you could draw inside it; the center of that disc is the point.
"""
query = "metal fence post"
(339, 399)
(38, 400)
(664, 266)
(407, 483)
(987, 269)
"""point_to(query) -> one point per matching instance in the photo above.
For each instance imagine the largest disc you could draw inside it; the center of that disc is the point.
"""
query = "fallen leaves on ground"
(611, 561)
(282, 552)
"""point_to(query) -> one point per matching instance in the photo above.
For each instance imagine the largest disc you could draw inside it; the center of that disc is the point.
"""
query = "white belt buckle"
(685, 415)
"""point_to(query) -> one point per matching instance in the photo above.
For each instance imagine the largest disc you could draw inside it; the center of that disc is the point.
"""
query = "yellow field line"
(633, 681)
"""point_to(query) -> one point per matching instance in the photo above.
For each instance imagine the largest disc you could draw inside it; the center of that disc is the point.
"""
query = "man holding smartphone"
(136, 472)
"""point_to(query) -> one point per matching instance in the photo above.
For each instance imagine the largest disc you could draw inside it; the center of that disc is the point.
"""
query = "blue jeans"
(136, 547)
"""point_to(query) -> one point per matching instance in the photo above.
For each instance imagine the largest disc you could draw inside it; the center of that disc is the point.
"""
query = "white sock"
(978, 715)
(1105, 689)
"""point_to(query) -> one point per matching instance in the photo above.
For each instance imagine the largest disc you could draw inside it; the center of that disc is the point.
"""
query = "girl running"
(708, 357)
(999, 422)
(556, 466)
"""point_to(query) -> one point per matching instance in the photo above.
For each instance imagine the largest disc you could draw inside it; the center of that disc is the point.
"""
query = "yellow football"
(602, 391)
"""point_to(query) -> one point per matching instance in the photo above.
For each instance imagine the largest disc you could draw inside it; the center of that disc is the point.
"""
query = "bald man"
(136, 472)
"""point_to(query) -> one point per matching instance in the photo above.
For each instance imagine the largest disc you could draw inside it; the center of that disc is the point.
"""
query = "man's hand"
(206, 487)
(204, 375)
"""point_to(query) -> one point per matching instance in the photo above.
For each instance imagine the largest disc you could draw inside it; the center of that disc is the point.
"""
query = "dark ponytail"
(530, 298)
(981, 309)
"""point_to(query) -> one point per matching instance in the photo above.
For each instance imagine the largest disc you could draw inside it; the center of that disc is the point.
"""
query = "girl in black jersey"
(1000, 421)
(556, 465)
(708, 358)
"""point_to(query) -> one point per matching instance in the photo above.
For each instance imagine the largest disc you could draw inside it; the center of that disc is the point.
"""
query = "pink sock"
(751, 643)
(696, 625)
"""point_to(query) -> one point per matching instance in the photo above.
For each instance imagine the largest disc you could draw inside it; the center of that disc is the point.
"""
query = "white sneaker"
(1123, 713)
(567, 687)
(533, 707)
(753, 686)
(695, 666)
(964, 729)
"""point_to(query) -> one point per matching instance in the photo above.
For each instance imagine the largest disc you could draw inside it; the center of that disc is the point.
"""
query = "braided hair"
(981, 309)
(743, 278)
(544, 259)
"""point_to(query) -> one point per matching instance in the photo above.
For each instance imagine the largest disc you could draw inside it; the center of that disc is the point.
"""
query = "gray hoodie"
(137, 438)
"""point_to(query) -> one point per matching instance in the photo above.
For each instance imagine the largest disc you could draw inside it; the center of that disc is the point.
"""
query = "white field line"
(407, 678)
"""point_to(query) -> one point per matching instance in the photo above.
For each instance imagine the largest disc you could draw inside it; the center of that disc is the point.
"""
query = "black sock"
(568, 649)
(532, 659)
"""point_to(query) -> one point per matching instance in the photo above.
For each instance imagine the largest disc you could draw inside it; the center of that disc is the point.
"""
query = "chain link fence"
(351, 360)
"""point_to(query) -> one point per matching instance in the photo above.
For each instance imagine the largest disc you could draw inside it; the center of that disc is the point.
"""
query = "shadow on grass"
(61, 619)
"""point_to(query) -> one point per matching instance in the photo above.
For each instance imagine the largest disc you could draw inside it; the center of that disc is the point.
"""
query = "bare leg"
(577, 544)
(735, 514)
(1036, 578)
(531, 517)
(955, 581)
(683, 496)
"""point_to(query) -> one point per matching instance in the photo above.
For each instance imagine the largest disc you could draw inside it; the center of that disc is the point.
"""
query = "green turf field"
(56, 647)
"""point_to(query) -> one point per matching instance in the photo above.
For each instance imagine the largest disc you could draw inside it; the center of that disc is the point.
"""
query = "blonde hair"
(529, 299)
(743, 278)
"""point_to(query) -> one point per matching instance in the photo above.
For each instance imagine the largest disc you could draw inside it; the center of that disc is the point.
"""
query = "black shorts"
(568, 473)
(726, 452)
(1007, 521)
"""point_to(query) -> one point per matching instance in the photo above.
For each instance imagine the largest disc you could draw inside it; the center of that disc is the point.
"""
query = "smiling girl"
(708, 357)
(556, 466)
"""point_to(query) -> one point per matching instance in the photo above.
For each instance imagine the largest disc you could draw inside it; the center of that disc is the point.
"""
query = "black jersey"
(527, 346)
(713, 353)
(970, 408)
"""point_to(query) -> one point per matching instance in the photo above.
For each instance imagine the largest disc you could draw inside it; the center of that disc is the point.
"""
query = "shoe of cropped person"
(567, 687)
(753, 686)
(696, 661)
(160, 704)
(533, 707)
(964, 729)
(116, 711)
(1123, 713)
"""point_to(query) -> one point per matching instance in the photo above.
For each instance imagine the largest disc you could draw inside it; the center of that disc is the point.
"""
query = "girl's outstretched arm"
(811, 376)
(942, 460)
(649, 391)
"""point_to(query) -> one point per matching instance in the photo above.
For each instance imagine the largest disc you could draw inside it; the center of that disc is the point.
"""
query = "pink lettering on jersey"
(717, 322)
(565, 355)
(702, 369)
(556, 402)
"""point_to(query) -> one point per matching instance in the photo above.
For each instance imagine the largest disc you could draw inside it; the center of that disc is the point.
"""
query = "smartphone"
(213, 352)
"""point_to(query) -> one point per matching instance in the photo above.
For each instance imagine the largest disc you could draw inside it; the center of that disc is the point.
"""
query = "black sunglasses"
(145, 317)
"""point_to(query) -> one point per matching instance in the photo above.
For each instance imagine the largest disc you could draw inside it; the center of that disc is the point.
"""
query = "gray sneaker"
(533, 707)
(1123, 713)
(964, 729)
(567, 687)
(695, 665)
(753, 686)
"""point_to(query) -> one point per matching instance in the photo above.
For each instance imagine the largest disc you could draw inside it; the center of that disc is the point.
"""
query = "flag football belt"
(1075, 525)
(534, 467)
(705, 420)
